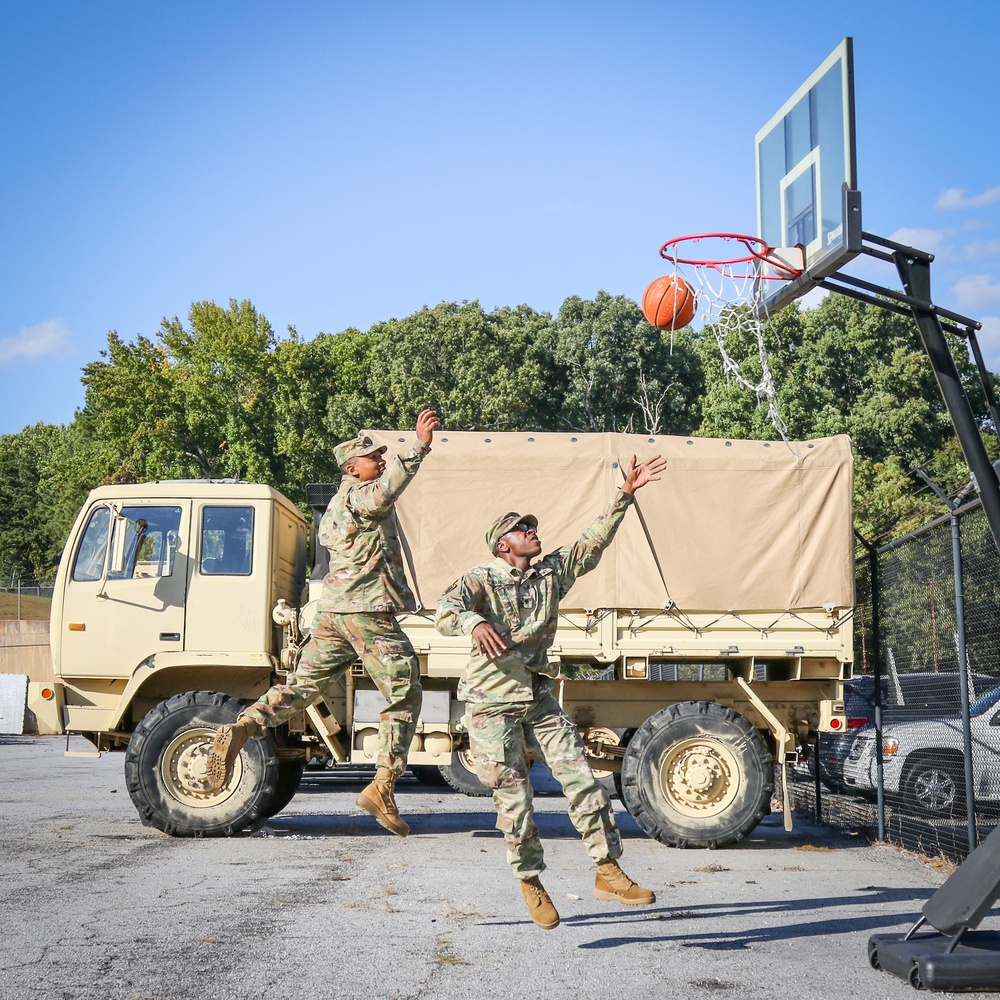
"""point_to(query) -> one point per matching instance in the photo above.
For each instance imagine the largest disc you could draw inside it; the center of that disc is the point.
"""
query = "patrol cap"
(503, 524)
(355, 448)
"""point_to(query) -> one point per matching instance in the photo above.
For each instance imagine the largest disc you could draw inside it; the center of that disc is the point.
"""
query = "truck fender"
(242, 675)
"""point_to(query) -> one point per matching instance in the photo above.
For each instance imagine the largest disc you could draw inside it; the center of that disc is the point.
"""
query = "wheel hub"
(699, 777)
(935, 790)
(184, 770)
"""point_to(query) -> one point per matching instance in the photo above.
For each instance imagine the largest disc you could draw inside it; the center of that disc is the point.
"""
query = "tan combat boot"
(539, 904)
(226, 747)
(614, 885)
(377, 800)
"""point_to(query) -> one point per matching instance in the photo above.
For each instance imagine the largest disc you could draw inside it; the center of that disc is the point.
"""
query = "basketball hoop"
(731, 273)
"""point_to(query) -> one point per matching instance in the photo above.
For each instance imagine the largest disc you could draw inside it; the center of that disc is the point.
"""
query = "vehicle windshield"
(985, 702)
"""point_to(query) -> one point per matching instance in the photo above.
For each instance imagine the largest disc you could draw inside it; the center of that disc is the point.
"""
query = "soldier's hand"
(427, 423)
(488, 641)
(647, 472)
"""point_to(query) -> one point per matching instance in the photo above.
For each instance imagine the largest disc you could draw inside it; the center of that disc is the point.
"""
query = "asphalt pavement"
(321, 902)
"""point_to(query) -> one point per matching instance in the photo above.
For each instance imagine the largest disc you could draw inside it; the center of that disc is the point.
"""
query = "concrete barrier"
(24, 649)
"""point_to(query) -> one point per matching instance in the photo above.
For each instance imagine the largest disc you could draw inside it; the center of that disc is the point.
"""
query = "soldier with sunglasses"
(509, 607)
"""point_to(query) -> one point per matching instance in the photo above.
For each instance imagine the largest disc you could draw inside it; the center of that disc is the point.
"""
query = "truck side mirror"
(171, 553)
(114, 554)
(117, 562)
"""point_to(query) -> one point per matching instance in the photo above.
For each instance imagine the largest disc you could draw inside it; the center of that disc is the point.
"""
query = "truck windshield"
(151, 536)
(985, 702)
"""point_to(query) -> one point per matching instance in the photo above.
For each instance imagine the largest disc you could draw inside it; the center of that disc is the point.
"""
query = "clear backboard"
(807, 177)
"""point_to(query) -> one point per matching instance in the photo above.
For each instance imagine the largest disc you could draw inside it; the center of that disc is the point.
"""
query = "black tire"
(461, 775)
(935, 786)
(289, 779)
(627, 735)
(428, 774)
(164, 769)
(697, 774)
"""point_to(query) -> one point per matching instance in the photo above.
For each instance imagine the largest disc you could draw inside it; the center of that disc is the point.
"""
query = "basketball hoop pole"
(914, 269)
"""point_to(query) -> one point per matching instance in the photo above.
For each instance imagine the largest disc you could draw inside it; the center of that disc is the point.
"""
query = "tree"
(197, 401)
(621, 374)
(321, 398)
(28, 547)
(479, 370)
(848, 367)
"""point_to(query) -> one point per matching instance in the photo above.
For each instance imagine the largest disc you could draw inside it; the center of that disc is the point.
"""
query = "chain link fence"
(28, 588)
(920, 763)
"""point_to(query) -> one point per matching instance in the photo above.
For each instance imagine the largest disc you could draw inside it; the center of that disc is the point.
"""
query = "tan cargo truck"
(709, 645)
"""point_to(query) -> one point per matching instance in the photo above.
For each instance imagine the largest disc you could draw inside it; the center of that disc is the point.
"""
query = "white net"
(729, 278)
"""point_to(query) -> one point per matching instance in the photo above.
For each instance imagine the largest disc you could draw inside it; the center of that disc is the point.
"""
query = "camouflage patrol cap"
(355, 448)
(503, 524)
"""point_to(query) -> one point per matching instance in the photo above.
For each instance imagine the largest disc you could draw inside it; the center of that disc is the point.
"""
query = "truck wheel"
(165, 769)
(461, 774)
(289, 779)
(697, 774)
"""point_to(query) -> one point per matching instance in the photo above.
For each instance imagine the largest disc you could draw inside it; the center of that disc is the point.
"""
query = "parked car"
(923, 761)
(923, 695)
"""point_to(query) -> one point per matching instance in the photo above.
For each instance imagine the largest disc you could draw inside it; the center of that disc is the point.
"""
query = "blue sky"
(341, 163)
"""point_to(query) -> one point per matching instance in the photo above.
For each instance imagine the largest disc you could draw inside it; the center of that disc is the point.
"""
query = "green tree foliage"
(199, 400)
(28, 545)
(848, 367)
(620, 373)
(321, 398)
(220, 395)
(480, 370)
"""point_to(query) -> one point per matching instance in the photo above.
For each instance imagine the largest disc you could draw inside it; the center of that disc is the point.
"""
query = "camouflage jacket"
(361, 531)
(523, 608)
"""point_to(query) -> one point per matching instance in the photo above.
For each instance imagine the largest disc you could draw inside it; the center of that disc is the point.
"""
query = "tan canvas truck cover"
(731, 526)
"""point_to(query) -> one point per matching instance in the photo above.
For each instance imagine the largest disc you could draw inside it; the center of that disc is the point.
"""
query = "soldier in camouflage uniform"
(509, 607)
(362, 592)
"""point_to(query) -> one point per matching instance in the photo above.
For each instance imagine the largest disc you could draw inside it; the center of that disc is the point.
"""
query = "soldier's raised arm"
(585, 553)
(377, 497)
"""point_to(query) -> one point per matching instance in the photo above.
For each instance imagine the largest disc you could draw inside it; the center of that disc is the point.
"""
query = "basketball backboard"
(807, 177)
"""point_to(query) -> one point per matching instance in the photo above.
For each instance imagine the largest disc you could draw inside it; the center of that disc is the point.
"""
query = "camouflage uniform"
(510, 709)
(362, 592)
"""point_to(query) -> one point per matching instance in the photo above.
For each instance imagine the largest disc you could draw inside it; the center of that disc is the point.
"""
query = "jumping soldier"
(362, 592)
(509, 607)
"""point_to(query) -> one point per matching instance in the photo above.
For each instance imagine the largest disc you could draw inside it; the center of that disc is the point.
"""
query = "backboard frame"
(798, 184)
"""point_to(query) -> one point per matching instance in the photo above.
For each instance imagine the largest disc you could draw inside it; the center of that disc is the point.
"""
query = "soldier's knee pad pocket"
(490, 773)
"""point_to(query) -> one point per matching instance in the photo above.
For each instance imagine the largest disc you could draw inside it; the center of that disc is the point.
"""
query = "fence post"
(876, 584)
(963, 675)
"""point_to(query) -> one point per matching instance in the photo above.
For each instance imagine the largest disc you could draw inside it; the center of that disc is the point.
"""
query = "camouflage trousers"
(501, 737)
(337, 641)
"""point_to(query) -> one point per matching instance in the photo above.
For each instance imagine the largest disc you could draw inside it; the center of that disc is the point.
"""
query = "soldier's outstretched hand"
(427, 423)
(647, 472)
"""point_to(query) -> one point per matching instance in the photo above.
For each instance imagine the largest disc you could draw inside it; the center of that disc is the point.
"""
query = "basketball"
(669, 303)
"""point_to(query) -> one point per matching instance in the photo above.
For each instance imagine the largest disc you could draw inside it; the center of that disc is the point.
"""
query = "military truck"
(699, 659)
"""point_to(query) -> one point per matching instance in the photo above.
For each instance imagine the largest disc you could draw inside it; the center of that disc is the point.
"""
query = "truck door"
(125, 594)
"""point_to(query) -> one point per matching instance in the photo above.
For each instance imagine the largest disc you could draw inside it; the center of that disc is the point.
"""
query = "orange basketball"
(669, 303)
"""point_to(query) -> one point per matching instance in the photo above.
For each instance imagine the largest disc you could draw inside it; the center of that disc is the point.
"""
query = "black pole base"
(933, 961)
